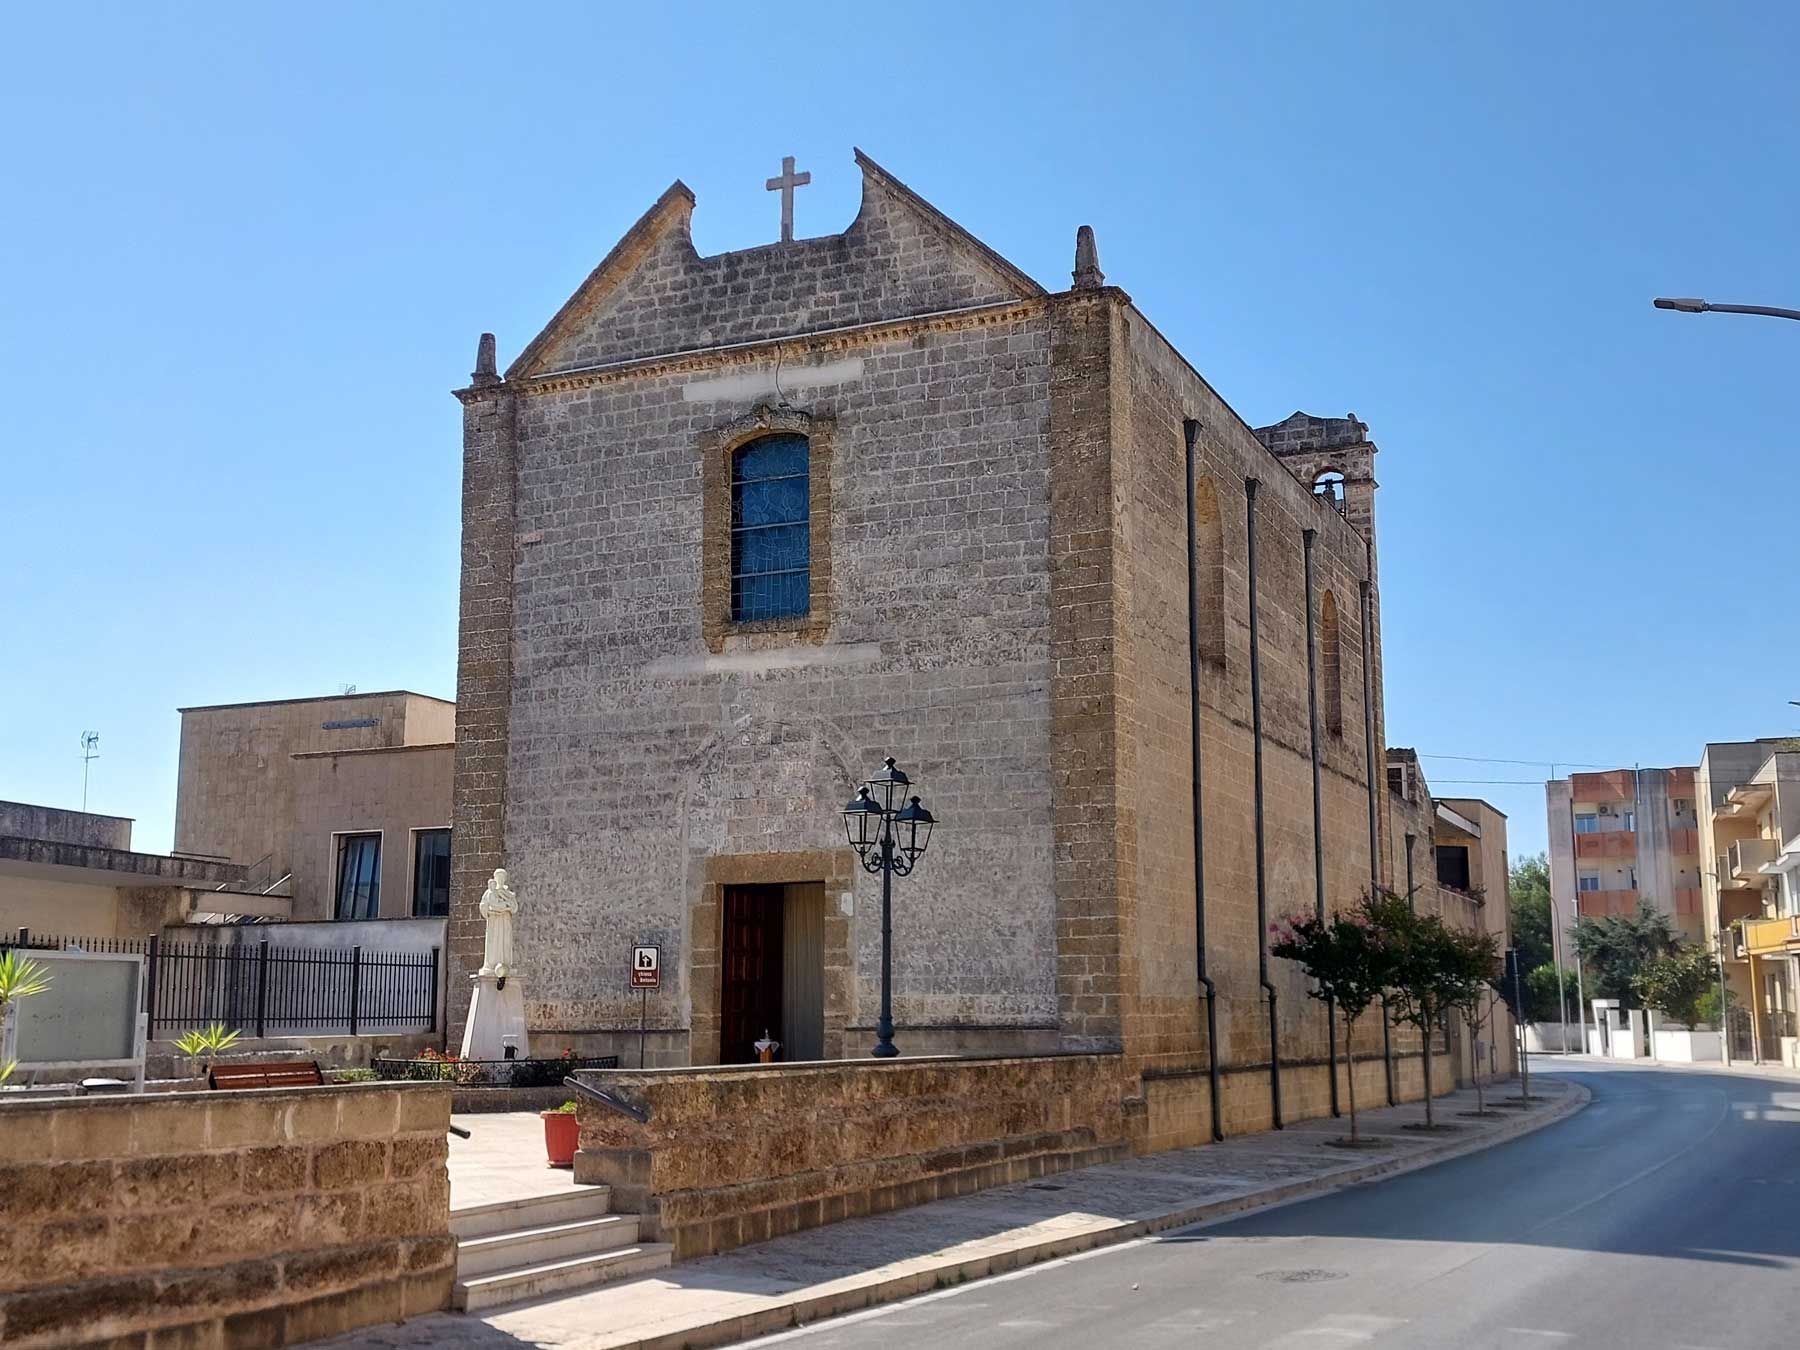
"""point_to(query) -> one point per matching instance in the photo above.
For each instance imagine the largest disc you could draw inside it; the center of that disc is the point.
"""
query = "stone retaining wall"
(252, 1218)
(728, 1156)
(1178, 1107)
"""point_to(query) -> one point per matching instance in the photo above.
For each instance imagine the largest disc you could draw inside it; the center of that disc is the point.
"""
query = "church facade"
(736, 528)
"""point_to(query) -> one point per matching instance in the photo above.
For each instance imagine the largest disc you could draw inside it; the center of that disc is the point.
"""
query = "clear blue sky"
(247, 250)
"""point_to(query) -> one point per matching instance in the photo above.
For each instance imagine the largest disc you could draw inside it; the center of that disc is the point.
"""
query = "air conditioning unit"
(1608, 811)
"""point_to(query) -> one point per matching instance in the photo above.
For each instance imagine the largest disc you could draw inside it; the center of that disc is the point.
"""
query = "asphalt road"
(1665, 1216)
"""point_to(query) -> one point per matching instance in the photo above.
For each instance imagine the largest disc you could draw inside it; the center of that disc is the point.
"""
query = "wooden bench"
(266, 1074)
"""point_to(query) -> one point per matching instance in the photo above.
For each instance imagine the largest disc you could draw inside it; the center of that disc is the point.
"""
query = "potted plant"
(203, 1047)
(562, 1135)
(20, 977)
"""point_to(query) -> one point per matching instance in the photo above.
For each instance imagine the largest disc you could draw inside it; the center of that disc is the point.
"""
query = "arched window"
(1331, 665)
(1209, 572)
(1330, 485)
(771, 532)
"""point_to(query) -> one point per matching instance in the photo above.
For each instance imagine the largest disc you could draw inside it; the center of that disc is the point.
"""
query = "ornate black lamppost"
(889, 831)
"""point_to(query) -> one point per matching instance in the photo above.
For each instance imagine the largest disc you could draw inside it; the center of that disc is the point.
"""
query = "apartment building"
(342, 803)
(1749, 794)
(1623, 837)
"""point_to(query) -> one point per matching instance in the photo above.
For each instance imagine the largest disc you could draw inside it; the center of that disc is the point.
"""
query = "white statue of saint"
(498, 905)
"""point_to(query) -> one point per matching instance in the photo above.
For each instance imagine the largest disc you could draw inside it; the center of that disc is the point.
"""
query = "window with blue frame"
(771, 531)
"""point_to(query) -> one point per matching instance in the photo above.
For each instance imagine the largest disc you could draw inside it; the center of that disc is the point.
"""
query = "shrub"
(1676, 984)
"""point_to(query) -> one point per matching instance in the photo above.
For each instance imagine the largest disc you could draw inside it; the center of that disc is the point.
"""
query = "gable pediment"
(654, 295)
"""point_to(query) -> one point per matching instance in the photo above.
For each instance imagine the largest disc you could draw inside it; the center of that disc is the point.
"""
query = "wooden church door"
(750, 975)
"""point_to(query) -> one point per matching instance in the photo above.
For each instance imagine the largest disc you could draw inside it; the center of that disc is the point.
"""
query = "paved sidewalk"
(845, 1266)
(502, 1159)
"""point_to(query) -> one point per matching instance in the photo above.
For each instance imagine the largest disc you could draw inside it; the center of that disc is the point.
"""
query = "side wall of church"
(1165, 1027)
(640, 756)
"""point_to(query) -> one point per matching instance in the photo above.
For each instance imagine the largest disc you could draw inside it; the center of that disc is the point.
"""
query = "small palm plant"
(203, 1047)
(20, 977)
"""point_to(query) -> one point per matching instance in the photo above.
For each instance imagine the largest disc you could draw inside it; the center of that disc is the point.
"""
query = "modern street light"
(889, 831)
(1689, 305)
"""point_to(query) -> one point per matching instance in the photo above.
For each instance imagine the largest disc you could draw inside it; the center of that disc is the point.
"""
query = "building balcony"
(1684, 841)
(1612, 785)
(1687, 901)
(1600, 904)
(1744, 860)
(1744, 802)
(1735, 905)
(1606, 844)
(1729, 881)
(1772, 937)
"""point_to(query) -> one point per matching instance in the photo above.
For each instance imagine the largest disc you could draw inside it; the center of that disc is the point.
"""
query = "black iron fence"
(262, 989)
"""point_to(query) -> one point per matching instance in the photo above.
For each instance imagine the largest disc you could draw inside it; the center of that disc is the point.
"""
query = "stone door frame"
(834, 868)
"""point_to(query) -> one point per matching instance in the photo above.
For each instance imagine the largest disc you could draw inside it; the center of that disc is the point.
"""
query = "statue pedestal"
(496, 1014)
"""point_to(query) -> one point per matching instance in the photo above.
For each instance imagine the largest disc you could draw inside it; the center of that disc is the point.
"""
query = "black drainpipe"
(1312, 709)
(1262, 890)
(1191, 430)
(1368, 665)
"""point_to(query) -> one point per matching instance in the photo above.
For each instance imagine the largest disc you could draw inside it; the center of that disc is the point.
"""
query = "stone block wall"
(1178, 1106)
(1157, 398)
(728, 1156)
(1001, 577)
(619, 756)
(255, 1218)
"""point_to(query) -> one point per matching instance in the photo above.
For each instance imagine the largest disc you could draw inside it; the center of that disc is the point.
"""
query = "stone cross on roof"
(785, 185)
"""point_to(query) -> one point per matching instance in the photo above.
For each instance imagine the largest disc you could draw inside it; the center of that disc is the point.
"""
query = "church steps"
(538, 1246)
(546, 1244)
(532, 1211)
(485, 1291)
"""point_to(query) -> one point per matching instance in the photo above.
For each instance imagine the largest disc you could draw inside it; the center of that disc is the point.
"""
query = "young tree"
(1347, 957)
(1425, 976)
(1618, 947)
(1679, 984)
(1473, 972)
(1709, 1010)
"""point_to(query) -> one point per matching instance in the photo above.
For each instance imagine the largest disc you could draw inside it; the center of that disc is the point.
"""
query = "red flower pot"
(562, 1136)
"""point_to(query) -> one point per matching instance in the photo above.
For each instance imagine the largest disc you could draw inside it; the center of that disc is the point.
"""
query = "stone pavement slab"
(502, 1159)
(836, 1269)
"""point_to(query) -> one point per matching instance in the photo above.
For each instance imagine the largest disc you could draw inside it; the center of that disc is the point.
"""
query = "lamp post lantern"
(1687, 304)
(890, 830)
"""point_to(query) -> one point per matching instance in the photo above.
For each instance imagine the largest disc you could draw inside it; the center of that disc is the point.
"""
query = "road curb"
(806, 1309)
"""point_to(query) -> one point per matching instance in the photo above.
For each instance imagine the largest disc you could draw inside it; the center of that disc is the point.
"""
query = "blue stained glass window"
(771, 534)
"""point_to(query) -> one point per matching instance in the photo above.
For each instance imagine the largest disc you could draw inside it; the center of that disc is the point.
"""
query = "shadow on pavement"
(1682, 1164)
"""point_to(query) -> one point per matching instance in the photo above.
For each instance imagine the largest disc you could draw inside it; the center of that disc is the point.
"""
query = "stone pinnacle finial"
(485, 370)
(1088, 276)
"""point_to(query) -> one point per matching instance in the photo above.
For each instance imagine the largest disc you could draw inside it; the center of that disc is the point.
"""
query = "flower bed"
(435, 1067)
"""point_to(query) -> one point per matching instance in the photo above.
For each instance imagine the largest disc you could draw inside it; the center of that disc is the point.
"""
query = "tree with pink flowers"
(1349, 958)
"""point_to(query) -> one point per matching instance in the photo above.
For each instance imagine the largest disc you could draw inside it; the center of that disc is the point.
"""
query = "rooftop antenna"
(346, 689)
(90, 751)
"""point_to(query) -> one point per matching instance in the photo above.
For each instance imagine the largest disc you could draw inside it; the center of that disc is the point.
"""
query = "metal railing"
(262, 989)
(1770, 935)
